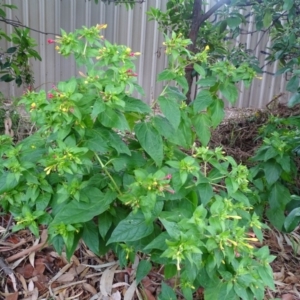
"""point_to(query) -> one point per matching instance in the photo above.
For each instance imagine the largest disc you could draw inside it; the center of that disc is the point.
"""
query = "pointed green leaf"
(202, 101)
(113, 119)
(181, 80)
(104, 223)
(90, 236)
(132, 228)
(216, 111)
(288, 4)
(200, 70)
(79, 212)
(167, 293)
(209, 81)
(295, 99)
(143, 269)
(170, 109)
(292, 220)
(293, 84)
(202, 125)
(163, 126)
(166, 75)
(136, 105)
(229, 91)
(150, 140)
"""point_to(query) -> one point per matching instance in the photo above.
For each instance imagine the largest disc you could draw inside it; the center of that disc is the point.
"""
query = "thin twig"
(4, 267)
(19, 24)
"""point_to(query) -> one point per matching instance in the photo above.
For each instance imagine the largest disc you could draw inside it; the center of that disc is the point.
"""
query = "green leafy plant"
(275, 173)
(103, 167)
(14, 62)
(219, 23)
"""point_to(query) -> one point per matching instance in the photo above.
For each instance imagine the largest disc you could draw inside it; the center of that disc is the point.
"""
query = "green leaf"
(272, 171)
(166, 75)
(136, 105)
(150, 140)
(233, 22)
(98, 108)
(170, 109)
(90, 236)
(71, 86)
(202, 125)
(2, 13)
(202, 101)
(181, 80)
(293, 84)
(11, 50)
(288, 4)
(216, 111)
(113, 119)
(159, 242)
(292, 220)
(266, 274)
(104, 223)
(95, 141)
(279, 196)
(80, 212)
(133, 228)
(223, 26)
(200, 70)
(295, 99)
(174, 93)
(6, 78)
(240, 290)
(205, 191)
(163, 126)
(114, 141)
(267, 18)
(171, 227)
(276, 217)
(210, 81)
(170, 271)
(143, 269)
(6, 183)
(229, 91)
(167, 293)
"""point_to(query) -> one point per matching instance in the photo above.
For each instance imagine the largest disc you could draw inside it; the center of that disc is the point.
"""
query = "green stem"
(84, 48)
(161, 94)
(108, 174)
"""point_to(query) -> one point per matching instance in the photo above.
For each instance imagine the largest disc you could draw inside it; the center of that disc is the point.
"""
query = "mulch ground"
(30, 269)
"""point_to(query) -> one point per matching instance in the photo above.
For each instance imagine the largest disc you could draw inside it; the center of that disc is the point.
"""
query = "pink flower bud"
(50, 95)
(168, 177)
(50, 41)
(131, 73)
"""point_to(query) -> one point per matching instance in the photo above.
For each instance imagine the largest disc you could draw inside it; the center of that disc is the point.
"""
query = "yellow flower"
(101, 26)
(206, 48)
(56, 47)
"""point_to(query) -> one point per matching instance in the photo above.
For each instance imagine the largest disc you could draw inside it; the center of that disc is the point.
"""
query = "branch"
(19, 24)
(205, 16)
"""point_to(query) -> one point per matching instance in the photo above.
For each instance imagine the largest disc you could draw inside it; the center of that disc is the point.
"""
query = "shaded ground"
(30, 269)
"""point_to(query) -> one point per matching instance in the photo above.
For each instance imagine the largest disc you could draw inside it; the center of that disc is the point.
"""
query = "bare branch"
(19, 24)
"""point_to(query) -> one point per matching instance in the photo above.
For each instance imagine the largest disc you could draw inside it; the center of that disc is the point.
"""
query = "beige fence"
(129, 27)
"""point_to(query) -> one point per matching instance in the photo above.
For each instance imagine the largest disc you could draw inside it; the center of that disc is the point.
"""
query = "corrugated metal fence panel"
(129, 27)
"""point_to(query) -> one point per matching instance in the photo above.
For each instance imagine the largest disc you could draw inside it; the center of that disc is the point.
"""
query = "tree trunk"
(199, 17)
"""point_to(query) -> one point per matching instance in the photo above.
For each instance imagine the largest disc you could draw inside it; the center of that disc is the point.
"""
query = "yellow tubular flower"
(101, 26)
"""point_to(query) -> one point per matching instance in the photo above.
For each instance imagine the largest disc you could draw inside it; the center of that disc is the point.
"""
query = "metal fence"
(129, 27)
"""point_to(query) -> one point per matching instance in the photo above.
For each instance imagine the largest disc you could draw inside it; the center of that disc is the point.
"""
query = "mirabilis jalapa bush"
(103, 167)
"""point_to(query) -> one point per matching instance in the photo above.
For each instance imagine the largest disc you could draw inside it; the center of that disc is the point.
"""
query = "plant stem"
(107, 173)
